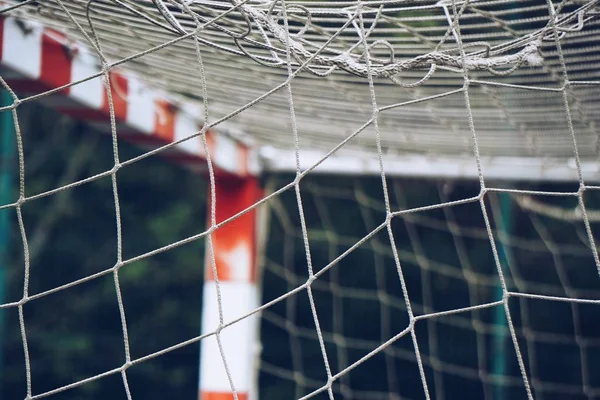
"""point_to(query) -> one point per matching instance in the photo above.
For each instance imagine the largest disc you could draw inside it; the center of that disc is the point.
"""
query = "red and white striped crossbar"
(35, 59)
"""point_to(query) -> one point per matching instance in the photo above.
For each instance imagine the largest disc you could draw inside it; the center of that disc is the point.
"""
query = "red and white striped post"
(234, 246)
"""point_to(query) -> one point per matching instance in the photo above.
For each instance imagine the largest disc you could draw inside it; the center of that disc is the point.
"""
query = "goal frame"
(36, 60)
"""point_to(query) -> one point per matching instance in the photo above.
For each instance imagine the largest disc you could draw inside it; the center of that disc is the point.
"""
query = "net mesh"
(458, 79)
(448, 266)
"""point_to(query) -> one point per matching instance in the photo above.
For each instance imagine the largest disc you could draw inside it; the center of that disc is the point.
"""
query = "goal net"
(401, 195)
(449, 269)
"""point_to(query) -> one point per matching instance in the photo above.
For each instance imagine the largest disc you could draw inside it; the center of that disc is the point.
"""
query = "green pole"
(500, 343)
(7, 157)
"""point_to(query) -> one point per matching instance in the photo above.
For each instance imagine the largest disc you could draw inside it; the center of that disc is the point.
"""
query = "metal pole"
(499, 349)
(234, 248)
(7, 156)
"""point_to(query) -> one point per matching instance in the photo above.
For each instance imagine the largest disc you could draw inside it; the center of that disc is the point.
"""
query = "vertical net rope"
(454, 80)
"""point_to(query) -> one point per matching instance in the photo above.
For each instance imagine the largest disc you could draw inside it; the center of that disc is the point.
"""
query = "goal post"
(37, 60)
(230, 292)
(402, 195)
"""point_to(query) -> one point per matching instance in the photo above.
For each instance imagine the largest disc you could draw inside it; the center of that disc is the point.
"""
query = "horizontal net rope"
(328, 86)
(245, 56)
(556, 211)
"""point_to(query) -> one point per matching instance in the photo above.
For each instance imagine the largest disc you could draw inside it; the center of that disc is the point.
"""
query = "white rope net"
(462, 80)
(449, 268)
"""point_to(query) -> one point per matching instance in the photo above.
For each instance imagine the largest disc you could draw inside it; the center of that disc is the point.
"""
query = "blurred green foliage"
(76, 333)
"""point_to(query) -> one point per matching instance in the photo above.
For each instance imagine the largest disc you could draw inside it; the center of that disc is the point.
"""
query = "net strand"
(23, 234)
(386, 330)
(361, 34)
(457, 35)
(571, 129)
(299, 200)
(466, 270)
(338, 308)
(213, 205)
(106, 80)
(344, 61)
(576, 319)
(427, 297)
